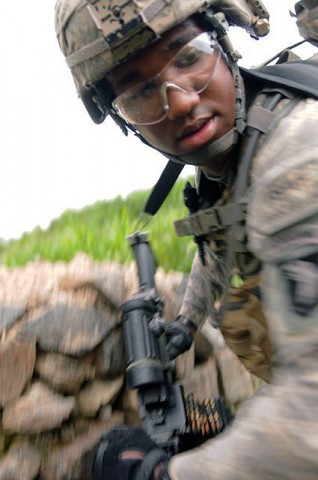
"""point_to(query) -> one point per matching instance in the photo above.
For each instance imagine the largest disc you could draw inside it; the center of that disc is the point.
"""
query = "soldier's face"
(192, 119)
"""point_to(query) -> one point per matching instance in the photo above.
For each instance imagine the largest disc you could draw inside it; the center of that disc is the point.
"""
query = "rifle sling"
(163, 187)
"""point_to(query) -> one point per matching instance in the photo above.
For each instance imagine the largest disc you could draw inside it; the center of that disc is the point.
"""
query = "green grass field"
(100, 230)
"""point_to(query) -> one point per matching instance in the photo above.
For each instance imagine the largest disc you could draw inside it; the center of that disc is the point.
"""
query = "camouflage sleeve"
(283, 221)
(203, 289)
(285, 183)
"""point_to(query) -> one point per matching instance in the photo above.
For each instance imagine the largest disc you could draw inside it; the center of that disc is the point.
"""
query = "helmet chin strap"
(213, 151)
(217, 149)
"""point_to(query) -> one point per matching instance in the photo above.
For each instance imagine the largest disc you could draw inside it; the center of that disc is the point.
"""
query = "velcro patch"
(302, 277)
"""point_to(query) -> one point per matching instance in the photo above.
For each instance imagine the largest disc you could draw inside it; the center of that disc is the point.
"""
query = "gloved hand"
(179, 335)
(128, 453)
(249, 14)
(307, 20)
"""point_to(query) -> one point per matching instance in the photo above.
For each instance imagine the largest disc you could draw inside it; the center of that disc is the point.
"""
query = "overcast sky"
(52, 156)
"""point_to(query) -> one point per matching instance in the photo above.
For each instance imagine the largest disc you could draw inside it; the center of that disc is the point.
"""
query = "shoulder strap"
(300, 75)
(163, 186)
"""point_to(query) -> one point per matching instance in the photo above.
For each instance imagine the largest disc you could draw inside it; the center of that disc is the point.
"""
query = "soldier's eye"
(187, 58)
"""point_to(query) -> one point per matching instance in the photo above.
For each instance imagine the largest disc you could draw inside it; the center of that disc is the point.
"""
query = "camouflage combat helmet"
(97, 35)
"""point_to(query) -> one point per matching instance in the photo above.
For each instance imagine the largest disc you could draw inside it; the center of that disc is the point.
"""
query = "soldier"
(166, 71)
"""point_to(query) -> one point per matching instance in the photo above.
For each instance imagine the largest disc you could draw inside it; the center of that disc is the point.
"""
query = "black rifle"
(173, 421)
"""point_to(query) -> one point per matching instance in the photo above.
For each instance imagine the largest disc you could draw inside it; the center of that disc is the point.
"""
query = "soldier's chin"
(214, 156)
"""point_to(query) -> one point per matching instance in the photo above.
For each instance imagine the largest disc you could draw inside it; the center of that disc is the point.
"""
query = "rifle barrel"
(145, 260)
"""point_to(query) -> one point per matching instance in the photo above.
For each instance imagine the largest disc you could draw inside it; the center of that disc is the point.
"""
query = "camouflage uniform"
(275, 434)
(243, 322)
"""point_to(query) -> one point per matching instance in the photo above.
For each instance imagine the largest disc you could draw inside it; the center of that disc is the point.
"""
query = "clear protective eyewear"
(189, 71)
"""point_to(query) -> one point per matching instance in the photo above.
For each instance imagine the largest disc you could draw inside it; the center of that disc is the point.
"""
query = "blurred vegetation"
(100, 230)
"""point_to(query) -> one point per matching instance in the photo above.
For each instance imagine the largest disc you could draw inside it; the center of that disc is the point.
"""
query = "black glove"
(179, 335)
(128, 453)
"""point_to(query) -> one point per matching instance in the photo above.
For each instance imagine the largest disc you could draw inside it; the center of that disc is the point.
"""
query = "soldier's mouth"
(197, 135)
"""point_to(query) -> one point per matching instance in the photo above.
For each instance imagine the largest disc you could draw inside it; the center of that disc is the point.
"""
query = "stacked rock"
(62, 363)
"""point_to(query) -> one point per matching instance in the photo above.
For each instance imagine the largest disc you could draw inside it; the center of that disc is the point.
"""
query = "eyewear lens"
(189, 71)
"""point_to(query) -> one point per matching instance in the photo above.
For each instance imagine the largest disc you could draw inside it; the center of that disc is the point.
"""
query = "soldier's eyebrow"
(174, 45)
(130, 77)
(181, 40)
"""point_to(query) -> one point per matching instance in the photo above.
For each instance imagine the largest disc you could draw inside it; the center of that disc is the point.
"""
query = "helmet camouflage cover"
(97, 35)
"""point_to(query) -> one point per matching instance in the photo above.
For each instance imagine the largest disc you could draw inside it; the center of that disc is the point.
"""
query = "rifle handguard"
(171, 419)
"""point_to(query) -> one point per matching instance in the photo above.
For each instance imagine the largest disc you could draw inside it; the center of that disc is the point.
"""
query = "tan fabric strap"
(260, 118)
(210, 220)
(91, 50)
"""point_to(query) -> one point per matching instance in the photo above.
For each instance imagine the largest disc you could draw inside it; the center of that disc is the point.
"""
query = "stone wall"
(62, 363)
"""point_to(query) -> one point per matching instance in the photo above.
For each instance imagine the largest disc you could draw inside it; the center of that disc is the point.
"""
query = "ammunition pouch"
(244, 328)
